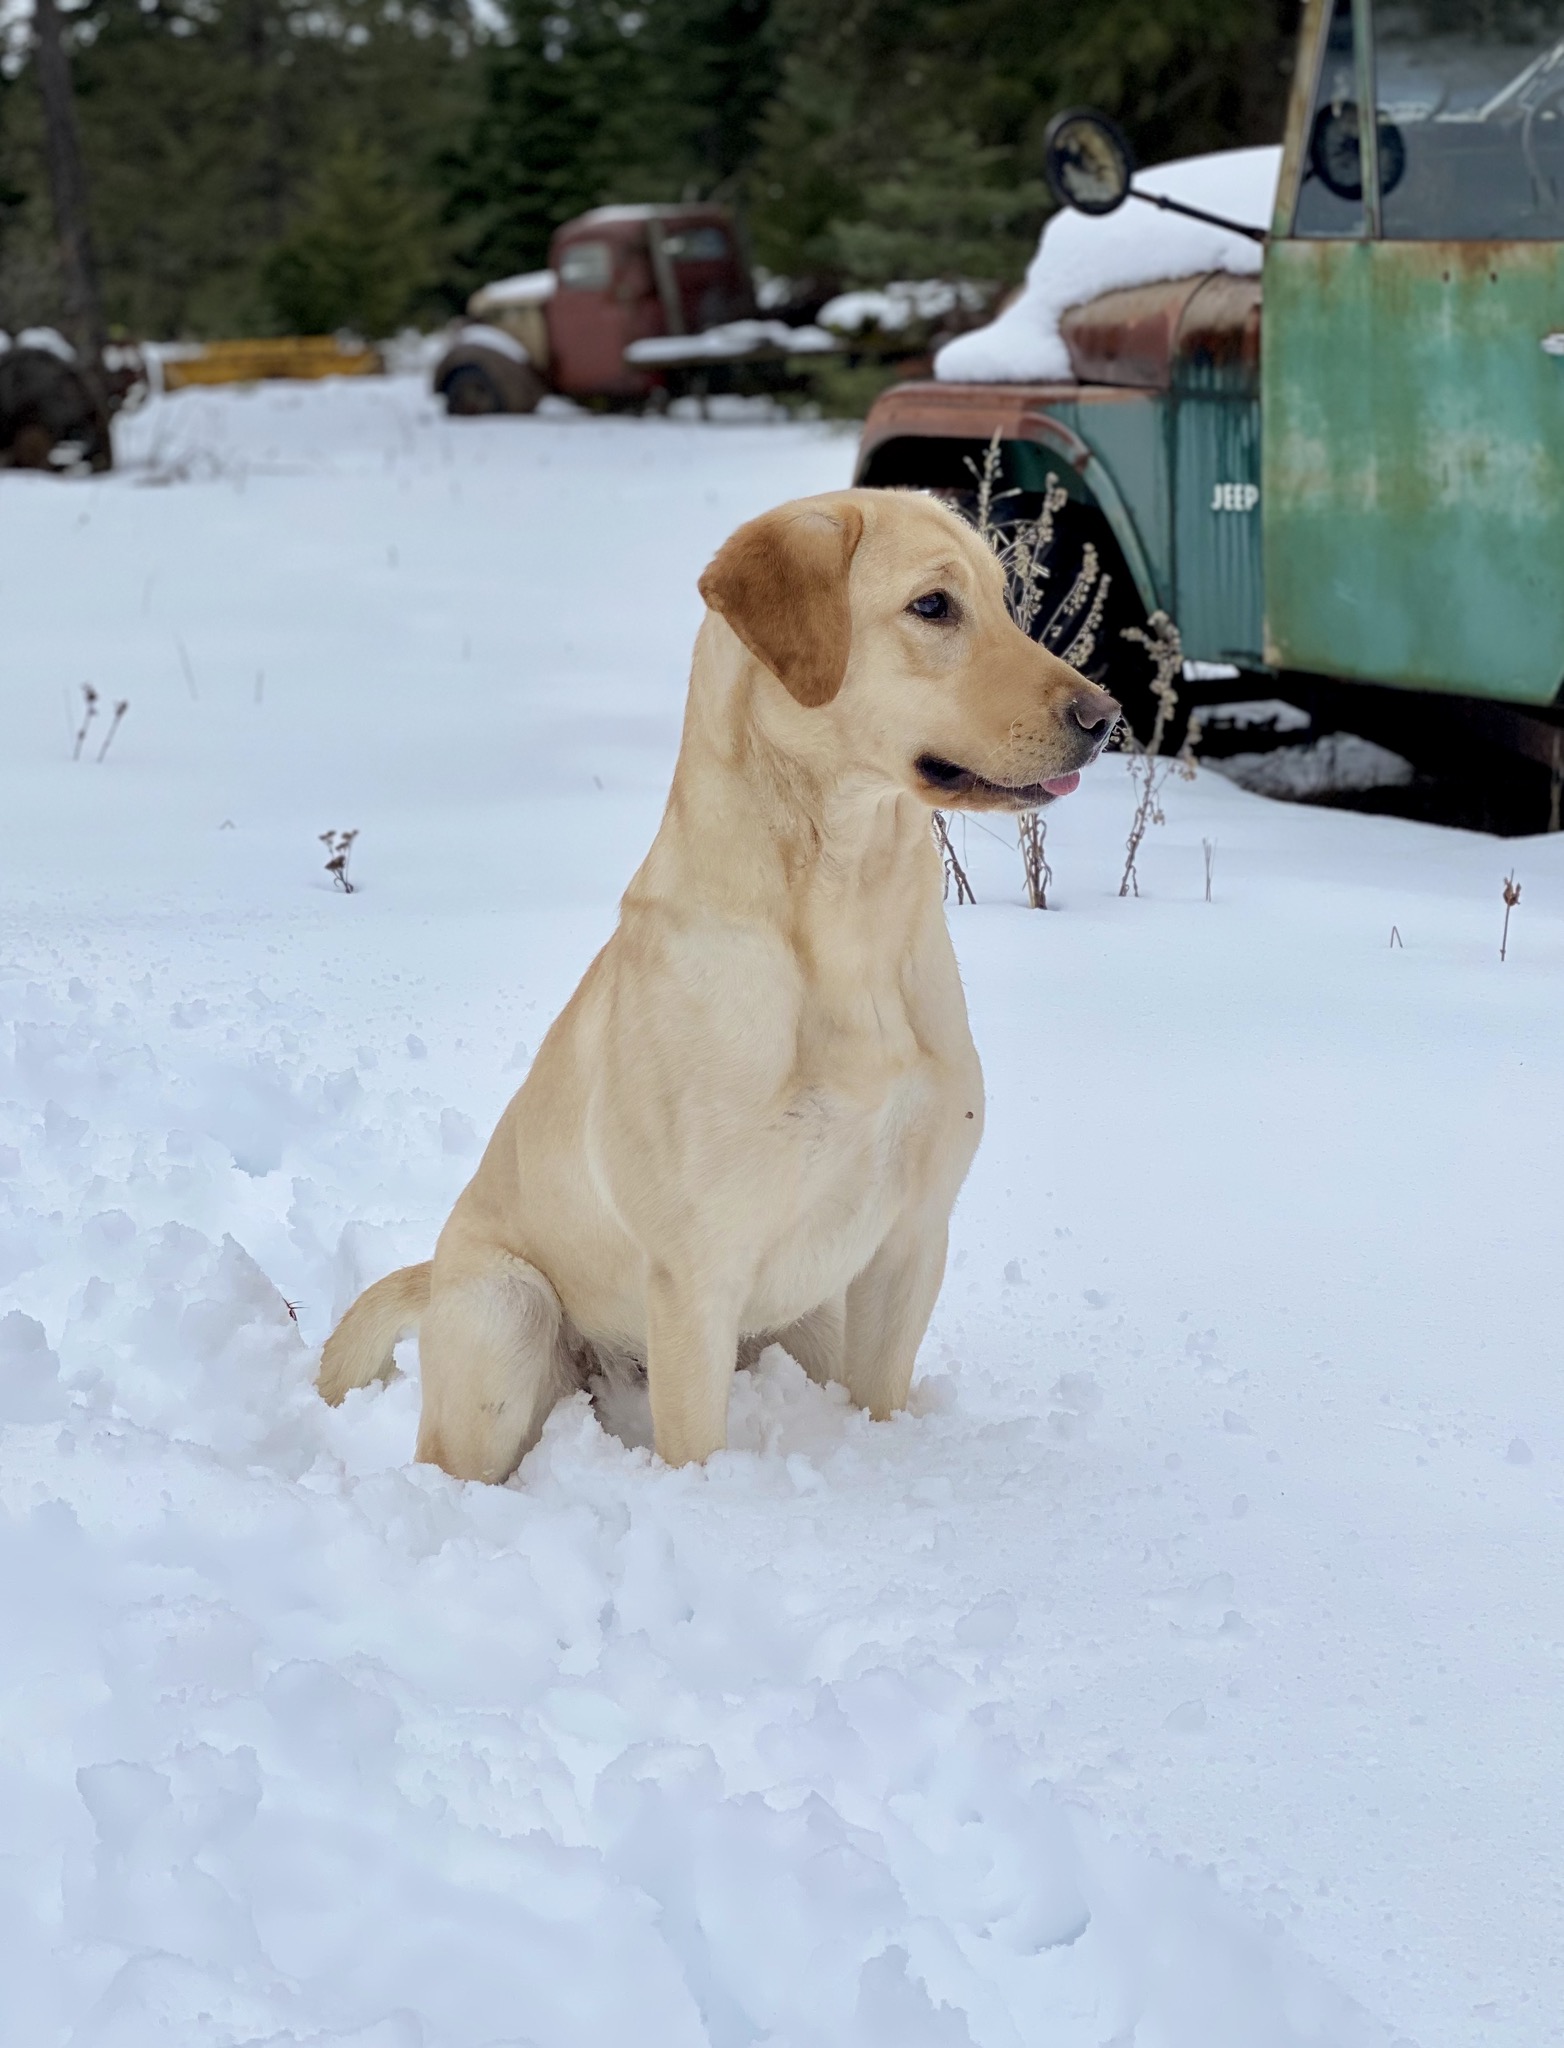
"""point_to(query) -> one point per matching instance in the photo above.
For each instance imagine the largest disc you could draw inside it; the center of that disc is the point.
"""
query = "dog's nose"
(1095, 712)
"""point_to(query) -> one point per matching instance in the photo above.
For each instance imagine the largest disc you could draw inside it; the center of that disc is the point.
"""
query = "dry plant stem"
(1556, 782)
(119, 712)
(1395, 940)
(89, 698)
(954, 871)
(1032, 836)
(1512, 896)
(1208, 848)
(1070, 629)
(339, 846)
(1149, 766)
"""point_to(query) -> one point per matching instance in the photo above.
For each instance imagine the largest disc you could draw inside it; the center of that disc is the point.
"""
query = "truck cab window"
(587, 267)
(697, 245)
(1330, 194)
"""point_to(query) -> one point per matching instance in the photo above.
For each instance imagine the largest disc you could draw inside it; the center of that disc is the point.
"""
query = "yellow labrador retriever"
(751, 1120)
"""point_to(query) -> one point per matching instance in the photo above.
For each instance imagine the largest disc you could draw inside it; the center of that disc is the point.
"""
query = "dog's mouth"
(951, 781)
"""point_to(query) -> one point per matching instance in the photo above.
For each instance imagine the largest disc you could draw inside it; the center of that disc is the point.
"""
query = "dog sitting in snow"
(751, 1120)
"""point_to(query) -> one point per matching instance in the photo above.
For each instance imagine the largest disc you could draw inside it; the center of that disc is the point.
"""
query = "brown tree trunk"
(68, 187)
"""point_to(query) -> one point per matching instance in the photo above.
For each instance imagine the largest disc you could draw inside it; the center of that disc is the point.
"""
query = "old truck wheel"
(1087, 607)
(49, 416)
(475, 377)
(470, 391)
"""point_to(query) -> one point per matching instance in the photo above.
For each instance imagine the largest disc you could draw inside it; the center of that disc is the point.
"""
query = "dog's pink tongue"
(1061, 785)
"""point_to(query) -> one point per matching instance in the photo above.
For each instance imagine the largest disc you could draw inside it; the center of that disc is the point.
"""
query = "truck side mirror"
(1090, 164)
(1088, 161)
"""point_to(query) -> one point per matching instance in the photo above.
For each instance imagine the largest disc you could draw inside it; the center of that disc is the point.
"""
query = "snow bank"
(1080, 256)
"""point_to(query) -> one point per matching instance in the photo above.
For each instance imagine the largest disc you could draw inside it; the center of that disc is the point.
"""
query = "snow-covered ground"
(1184, 1670)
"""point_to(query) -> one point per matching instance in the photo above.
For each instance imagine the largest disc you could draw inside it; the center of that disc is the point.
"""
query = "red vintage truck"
(638, 302)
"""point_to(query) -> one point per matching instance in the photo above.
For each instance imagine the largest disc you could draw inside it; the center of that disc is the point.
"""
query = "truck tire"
(1116, 661)
(475, 379)
(949, 469)
(49, 416)
(470, 391)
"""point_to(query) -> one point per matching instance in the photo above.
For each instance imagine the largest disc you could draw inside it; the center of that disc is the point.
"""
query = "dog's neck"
(764, 816)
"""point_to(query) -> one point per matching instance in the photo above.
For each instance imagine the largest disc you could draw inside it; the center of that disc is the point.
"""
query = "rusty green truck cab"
(1350, 468)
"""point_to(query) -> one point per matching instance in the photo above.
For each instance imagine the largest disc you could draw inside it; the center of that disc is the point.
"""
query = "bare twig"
(1512, 896)
(1396, 940)
(1149, 766)
(89, 699)
(1208, 848)
(114, 723)
(954, 871)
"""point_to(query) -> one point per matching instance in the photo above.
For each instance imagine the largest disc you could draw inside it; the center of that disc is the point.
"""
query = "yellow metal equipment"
(288, 355)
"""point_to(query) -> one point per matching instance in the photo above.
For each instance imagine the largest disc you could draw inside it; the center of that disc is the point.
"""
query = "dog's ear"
(781, 584)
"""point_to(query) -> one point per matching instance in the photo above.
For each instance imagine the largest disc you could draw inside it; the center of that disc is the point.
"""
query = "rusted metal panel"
(1413, 486)
(1129, 337)
(1218, 342)
(1150, 336)
(964, 412)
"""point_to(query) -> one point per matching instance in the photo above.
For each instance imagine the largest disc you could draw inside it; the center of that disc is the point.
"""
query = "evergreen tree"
(585, 104)
(360, 254)
(861, 139)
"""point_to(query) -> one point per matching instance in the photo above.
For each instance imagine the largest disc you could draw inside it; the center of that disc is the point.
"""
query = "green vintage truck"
(1337, 462)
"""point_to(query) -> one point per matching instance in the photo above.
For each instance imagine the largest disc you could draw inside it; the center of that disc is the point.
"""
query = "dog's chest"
(882, 1118)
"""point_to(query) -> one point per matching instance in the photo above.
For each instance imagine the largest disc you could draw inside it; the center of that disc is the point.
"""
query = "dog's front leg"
(888, 1310)
(692, 1342)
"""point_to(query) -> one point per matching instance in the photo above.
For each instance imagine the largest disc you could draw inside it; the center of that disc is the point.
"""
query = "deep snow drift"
(1184, 1670)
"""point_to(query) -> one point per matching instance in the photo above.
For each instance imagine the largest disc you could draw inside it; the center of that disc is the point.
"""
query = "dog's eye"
(934, 604)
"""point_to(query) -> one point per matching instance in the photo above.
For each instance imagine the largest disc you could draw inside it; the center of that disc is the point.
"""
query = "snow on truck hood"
(1079, 257)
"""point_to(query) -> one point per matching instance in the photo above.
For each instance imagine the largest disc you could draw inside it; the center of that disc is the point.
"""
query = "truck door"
(1412, 496)
(606, 298)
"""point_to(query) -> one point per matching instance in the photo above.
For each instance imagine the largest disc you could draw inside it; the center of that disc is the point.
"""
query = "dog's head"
(883, 615)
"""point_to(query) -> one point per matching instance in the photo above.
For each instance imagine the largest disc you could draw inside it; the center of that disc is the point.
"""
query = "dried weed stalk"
(1208, 848)
(120, 708)
(1069, 629)
(89, 699)
(1512, 896)
(1031, 836)
(954, 871)
(339, 846)
(1149, 766)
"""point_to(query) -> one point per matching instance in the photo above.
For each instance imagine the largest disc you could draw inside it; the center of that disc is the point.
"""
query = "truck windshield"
(1470, 98)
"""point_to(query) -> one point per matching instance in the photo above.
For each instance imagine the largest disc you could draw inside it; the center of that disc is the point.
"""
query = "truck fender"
(516, 385)
(1063, 441)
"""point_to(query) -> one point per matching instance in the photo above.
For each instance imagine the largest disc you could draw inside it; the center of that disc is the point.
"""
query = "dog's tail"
(363, 1345)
